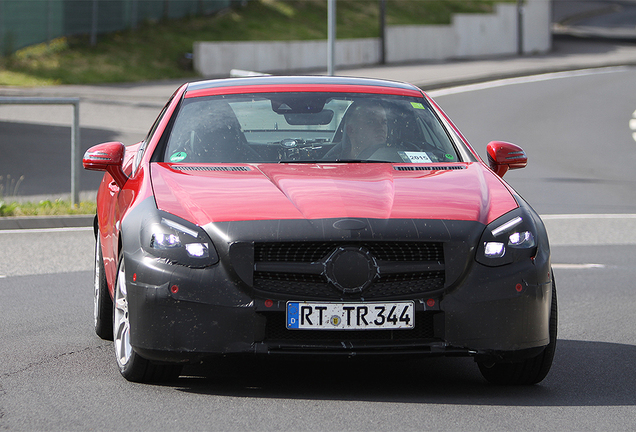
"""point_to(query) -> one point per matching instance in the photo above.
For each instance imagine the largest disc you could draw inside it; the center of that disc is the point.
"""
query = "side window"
(144, 143)
(138, 156)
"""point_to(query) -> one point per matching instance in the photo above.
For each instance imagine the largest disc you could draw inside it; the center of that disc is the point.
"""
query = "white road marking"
(588, 216)
(46, 251)
(577, 266)
(564, 230)
(525, 80)
(591, 229)
(46, 230)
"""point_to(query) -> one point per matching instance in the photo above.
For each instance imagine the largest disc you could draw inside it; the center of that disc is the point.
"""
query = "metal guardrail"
(75, 132)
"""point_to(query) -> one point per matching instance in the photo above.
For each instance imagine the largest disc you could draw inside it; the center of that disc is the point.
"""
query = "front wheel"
(132, 366)
(102, 303)
(529, 371)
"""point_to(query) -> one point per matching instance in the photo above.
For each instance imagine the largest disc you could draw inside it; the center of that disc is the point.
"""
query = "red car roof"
(304, 84)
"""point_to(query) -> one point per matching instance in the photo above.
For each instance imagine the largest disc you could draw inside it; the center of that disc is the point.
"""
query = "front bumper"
(179, 313)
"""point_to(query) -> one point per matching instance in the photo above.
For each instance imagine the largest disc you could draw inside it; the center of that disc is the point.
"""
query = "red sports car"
(317, 216)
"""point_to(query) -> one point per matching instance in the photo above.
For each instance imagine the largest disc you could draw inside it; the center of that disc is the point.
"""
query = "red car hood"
(207, 193)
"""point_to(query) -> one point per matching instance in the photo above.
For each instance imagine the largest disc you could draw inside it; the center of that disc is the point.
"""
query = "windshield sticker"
(449, 156)
(417, 105)
(178, 156)
(415, 157)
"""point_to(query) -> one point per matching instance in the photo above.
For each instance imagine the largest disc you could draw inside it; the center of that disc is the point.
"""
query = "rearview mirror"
(503, 156)
(322, 118)
(107, 157)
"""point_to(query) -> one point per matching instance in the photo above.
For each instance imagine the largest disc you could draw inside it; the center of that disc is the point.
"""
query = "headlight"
(178, 241)
(494, 249)
(507, 239)
(521, 240)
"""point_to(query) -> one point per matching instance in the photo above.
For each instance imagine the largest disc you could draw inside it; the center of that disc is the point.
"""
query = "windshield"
(308, 127)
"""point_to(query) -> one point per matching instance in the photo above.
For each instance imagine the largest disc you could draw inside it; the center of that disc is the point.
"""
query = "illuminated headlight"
(198, 250)
(523, 239)
(164, 241)
(178, 241)
(494, 249)
(507, 240)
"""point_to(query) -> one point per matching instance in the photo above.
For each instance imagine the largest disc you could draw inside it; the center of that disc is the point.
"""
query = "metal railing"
(75, 132)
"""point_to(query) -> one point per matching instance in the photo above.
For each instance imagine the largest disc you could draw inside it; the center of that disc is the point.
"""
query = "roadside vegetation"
(159, 50)
(10, 206)
(45, 208)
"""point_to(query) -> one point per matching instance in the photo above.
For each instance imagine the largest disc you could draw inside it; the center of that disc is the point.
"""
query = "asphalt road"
(56, 374)
(35, 143)
(574, 127)
(40, 154)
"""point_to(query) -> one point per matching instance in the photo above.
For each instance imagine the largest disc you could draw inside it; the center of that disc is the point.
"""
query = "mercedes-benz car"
(317, 216)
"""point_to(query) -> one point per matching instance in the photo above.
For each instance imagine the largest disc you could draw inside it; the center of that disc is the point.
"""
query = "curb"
(43, 222)
(588, 32)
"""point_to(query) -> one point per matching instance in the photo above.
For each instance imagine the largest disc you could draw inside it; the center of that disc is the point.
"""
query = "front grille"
(291, 252)
(405, 284)
(275, 330)
(306, 282)
(315, 251)
(315, 286)
(307, 290)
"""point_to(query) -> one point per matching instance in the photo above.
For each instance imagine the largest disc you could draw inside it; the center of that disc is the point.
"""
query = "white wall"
(412, 43)
(218, 58)
(469, 35)
(490, 34)
(537, 36)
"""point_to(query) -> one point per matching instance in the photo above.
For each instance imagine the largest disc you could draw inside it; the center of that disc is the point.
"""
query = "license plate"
(350, 316)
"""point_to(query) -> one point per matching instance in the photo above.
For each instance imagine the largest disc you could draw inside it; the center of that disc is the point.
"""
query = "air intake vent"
(210, 168)
(429, 168)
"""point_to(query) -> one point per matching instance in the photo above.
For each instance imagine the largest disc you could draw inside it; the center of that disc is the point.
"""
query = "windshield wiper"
(321, 161)
(299, 161)
(357, 161)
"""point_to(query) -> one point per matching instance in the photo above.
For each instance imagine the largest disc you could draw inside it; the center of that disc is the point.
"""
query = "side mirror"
(107, 157)
(503, 156)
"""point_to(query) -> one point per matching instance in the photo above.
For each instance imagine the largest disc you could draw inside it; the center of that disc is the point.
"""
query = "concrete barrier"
(468, 35)
(218, 58)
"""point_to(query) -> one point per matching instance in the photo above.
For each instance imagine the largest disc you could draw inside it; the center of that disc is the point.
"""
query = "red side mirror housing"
(107, 157)
(503, 156)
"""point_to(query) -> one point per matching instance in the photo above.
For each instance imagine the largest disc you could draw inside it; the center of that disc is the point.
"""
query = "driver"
(365, 131)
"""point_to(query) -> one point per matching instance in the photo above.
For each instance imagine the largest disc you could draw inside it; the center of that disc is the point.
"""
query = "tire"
(532, 370)
(131, 365)
(102, 303)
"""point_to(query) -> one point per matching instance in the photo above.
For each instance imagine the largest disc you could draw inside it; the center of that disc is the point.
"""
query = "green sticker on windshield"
(178, 156)
(449, 156)
(417, 105)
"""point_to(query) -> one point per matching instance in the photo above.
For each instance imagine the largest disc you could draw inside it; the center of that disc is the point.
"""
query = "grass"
(46, 208)
(9, 206)
(155, 51)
